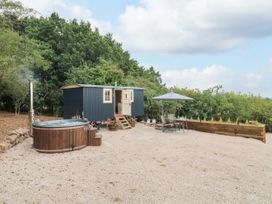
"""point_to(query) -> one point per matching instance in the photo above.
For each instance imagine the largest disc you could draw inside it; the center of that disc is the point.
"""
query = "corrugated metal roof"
(72, 86)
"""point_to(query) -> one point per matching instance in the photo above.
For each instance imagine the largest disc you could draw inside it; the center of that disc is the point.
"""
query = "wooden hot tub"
(60, 135)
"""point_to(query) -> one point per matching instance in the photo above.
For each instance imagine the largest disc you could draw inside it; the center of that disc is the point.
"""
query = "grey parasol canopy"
(172, 96)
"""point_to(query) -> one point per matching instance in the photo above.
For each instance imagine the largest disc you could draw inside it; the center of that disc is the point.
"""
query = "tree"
(18, 91)
(13, 15)
(78, 54)
(9, 44)
(18, 57)
(104, 73)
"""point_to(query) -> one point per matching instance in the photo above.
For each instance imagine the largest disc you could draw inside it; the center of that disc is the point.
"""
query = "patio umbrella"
(172, 97)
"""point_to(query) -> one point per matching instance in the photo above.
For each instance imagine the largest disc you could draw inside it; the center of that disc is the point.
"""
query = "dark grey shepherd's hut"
(99, 103)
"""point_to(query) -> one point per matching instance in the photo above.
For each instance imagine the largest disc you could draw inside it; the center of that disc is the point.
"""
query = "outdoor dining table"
(182, 122)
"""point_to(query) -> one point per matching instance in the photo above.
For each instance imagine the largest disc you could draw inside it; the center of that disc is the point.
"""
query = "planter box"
(133, 123)
(232, 129)
(113, 127)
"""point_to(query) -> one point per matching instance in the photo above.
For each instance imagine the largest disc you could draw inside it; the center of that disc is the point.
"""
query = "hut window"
(107, 96)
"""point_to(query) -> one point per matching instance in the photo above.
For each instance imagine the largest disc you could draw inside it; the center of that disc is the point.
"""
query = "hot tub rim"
(61, 128)
(82, 123)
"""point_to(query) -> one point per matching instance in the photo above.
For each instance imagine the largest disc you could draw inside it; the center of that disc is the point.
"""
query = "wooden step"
(125, 124)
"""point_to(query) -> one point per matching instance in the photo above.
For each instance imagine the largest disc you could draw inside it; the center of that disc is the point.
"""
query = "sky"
(193, 43)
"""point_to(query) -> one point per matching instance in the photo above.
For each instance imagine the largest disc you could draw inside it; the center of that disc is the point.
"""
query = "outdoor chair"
(167, 124)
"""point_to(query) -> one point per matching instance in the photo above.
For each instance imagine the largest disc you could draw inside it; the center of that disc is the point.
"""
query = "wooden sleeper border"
(231, 129)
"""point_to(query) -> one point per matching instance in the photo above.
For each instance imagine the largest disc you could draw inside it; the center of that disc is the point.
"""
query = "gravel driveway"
(142, 165)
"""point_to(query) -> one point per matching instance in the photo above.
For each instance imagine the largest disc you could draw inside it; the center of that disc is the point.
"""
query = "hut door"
(126, 102)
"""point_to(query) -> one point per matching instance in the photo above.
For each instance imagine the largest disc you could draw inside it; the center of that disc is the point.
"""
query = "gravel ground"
(142, 165)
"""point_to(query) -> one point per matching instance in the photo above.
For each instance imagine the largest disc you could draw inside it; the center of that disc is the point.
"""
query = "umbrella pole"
(162, 108)
(176, 111)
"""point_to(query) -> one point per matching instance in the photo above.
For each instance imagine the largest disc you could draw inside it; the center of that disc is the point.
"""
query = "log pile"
(15, 137)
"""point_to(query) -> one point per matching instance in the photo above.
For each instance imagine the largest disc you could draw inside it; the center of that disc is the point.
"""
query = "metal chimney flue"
(31, 110)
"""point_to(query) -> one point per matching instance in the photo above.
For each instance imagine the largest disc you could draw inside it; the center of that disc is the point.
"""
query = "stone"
(15, 137)
(12, 139)
(4, 147)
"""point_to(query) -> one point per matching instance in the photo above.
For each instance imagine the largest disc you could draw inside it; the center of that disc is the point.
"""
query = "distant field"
(10, 121)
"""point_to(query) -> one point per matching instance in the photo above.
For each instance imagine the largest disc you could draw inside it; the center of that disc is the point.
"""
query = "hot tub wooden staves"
(59, 139)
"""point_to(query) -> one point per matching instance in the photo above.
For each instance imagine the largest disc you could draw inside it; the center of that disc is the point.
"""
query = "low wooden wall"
(241, 130)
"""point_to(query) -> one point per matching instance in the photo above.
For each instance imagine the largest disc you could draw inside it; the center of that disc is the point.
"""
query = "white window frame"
(104, 95)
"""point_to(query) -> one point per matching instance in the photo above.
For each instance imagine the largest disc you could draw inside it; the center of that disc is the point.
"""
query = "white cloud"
(194, 25)
(253, 80)
(256, 83)
(67, 11)
(197, 78)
